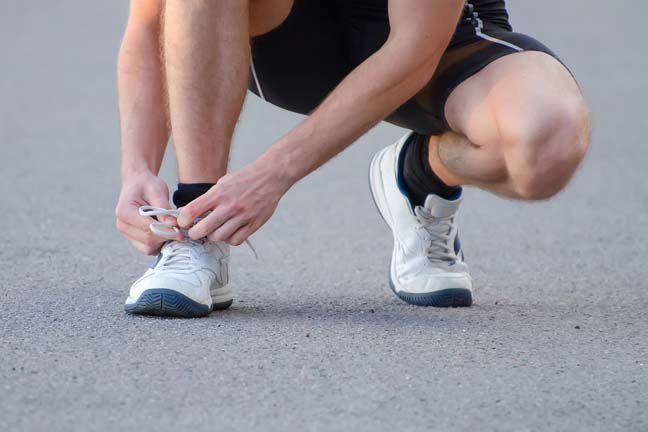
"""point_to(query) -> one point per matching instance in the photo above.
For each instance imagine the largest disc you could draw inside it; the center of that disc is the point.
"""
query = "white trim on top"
(480, 26)
(256, 79)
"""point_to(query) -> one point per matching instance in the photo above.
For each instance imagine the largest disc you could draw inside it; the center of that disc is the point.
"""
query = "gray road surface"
(556, 342)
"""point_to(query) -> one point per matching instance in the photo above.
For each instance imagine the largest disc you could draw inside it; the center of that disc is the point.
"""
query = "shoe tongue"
(180, 243)
(441, 208)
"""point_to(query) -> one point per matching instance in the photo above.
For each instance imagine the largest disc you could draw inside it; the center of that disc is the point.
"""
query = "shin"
(206, 58)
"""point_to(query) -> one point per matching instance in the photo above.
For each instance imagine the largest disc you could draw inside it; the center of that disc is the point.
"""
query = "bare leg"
(522, 128)
(207, 54)
(457, 161)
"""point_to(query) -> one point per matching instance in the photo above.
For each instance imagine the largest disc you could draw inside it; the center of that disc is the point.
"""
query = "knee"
(547, 148)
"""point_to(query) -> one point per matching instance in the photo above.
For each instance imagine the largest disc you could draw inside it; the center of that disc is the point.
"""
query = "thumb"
(195, 209)
(161, 199)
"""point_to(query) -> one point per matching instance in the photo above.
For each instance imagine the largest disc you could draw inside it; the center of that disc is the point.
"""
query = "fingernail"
(182, 221)
(179, 235)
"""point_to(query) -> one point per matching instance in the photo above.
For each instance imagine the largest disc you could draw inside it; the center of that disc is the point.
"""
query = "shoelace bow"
(439, 230)
(180, 249)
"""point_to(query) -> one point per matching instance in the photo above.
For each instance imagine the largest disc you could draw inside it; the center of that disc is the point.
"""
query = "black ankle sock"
(418, 177)
(188, 192)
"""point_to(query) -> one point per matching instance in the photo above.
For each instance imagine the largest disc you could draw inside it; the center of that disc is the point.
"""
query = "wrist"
(280, 167)
(132, 173)
(140, 158)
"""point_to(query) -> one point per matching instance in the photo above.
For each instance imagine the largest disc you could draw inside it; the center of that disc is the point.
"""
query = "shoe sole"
(222, 306)
(170, 303)
(450, 297)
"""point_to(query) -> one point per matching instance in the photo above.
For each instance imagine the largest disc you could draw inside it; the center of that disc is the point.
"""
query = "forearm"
(370, 93)
(142, 111)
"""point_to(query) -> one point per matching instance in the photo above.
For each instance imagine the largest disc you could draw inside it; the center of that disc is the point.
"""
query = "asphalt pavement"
(557, 339)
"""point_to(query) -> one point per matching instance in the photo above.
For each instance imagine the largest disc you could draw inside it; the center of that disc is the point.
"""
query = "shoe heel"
(222, 306)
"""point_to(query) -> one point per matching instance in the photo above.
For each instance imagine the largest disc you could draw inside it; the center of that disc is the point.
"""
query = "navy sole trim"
(168, 303)
(222, 306)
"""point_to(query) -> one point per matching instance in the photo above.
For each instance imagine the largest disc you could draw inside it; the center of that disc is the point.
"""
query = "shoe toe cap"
(195, 289)
(428, 283)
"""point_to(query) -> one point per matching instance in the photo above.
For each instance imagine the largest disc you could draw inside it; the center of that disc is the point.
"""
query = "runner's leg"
(207, 58)
(520, 128)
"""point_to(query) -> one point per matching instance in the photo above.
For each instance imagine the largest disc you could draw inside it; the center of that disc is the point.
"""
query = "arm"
(244, 200)
(421, 31)
(142, 112)
(144, 132)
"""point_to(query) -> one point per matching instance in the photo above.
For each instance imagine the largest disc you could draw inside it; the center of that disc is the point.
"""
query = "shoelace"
(169, 231)
(178, 255)
(439, 229)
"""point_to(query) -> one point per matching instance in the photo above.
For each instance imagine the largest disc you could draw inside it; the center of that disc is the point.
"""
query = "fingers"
(240, 236)
(196, 208)
(145, 242)
(128, 214)
(210, 223)
(143, 189)
(225, 231)
(159, 197)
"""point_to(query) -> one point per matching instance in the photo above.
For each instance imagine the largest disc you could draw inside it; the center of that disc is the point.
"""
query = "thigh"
(511, 98)
(464, 62)
(297, 64)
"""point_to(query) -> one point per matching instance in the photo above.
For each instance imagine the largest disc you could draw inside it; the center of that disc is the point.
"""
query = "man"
(487, 107)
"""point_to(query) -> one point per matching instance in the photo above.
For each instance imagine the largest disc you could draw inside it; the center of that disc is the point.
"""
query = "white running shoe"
(188, 280)
(427, 266)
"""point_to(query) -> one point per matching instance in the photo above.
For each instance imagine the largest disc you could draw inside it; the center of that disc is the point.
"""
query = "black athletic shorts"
(296, 65)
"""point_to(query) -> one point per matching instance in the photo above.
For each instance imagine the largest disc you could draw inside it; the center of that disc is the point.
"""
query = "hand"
(240, 203)
(143, 189)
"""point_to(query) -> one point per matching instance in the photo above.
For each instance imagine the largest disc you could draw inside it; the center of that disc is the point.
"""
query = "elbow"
(422, 70)
(428, 64)
(420, 60)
